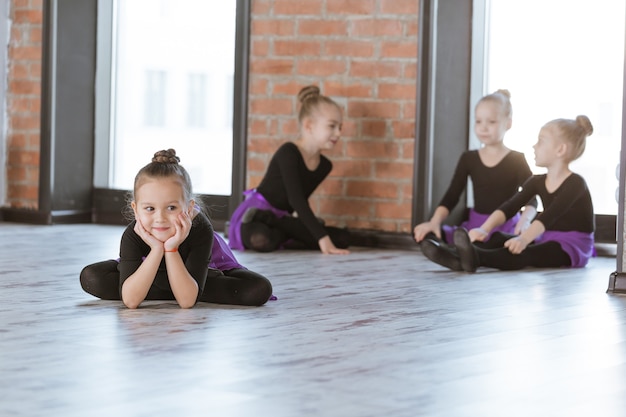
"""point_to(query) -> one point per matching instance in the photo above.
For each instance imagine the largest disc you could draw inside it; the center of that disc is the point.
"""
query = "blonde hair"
(310, 100)
(574, 133)
(502, 98)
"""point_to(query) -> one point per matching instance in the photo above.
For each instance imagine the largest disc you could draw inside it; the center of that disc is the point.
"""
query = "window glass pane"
(562, 58)
(174, 89)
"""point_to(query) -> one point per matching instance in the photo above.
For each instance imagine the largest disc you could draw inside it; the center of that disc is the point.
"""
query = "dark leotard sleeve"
(492, 186)
(568, 208)
(288, 184)
(195, 252)
(457, 184)
(523, 173)
(528, 191)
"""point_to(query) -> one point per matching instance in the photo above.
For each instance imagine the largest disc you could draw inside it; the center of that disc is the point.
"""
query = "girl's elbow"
(130, 305)
(187, 305)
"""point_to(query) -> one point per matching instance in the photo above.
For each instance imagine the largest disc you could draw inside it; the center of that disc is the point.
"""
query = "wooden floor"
(375, 333)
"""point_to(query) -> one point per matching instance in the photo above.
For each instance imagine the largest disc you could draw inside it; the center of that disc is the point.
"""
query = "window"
(166, 81)
(154, 98)
(196, 100)
(562, 58)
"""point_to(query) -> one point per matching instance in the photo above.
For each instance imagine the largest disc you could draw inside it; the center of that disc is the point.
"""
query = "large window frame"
(108, 203)
(443, 103)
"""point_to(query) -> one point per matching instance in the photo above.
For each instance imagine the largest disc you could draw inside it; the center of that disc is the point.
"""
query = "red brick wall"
(360, 52)
(23, 103)
(363, 54)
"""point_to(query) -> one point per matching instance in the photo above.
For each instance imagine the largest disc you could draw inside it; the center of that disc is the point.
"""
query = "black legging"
(542, 255)
(288, 232)
(236, 286)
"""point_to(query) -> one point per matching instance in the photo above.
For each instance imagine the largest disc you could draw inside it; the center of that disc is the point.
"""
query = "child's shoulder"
(287, 150)
(202, 221)
(288, 147)
(576, 178)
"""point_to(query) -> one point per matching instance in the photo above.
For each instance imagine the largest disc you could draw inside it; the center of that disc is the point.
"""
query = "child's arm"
(450, 199)
(183, 285)
(496, 219)
(432, 226)
(528, 214)
(517, 244)
(136, 286)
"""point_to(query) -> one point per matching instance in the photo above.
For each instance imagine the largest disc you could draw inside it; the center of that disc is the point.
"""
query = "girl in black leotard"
(496, 172)
(170, 251)
(560, 236)
(277, 213)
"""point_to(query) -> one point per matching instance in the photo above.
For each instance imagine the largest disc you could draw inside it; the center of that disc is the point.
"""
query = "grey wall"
(67, 141)
(443, 91)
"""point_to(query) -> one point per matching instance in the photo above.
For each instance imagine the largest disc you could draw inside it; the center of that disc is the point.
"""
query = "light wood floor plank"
(374, 333)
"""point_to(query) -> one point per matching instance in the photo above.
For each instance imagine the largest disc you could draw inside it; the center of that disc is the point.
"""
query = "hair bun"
(166, 157)
(504, 92)
(310, 91)
(584, 122)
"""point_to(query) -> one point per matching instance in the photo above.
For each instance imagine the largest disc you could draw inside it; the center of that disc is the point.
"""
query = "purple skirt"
(222, 257)
(476, 220)
(253, 199)
(578, 245)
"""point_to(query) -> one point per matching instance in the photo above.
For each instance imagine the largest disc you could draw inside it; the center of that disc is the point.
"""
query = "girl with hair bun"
(169, 251)
(563, 234)
(496, 172)
(277, 213)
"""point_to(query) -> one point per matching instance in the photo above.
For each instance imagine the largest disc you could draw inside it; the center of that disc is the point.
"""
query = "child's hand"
(146, 236)
(422, 229)
(477, 234)
(516, 245)
(328, 247)
(183, 226)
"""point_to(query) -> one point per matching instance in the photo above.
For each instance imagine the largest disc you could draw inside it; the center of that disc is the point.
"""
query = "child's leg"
(238, 287)
(296, 230)
(101, 280)
(266, 232)
(543, 255)
(261, 237)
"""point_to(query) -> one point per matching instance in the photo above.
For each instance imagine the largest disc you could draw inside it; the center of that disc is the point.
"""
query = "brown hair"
(164, 164)
(574, 132)
(310, 100)
(501, 97)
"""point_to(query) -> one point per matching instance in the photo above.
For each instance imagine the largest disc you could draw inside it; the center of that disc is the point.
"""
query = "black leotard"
(569, 208)
(492, 185)
(288, 184)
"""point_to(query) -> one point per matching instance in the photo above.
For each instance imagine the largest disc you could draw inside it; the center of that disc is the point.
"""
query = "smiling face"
(490, 123)
(157, 204)
(323, 128)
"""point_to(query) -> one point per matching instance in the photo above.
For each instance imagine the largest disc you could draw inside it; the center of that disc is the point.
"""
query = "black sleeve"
(563, 201)
(195, 252)
(290, 164)
(133, 250)
(457, 184)
(524, 174)
(527, 193)
(197, 248)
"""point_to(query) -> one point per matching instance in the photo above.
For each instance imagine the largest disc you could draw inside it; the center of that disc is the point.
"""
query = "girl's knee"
(261, 243)
(259, 294)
